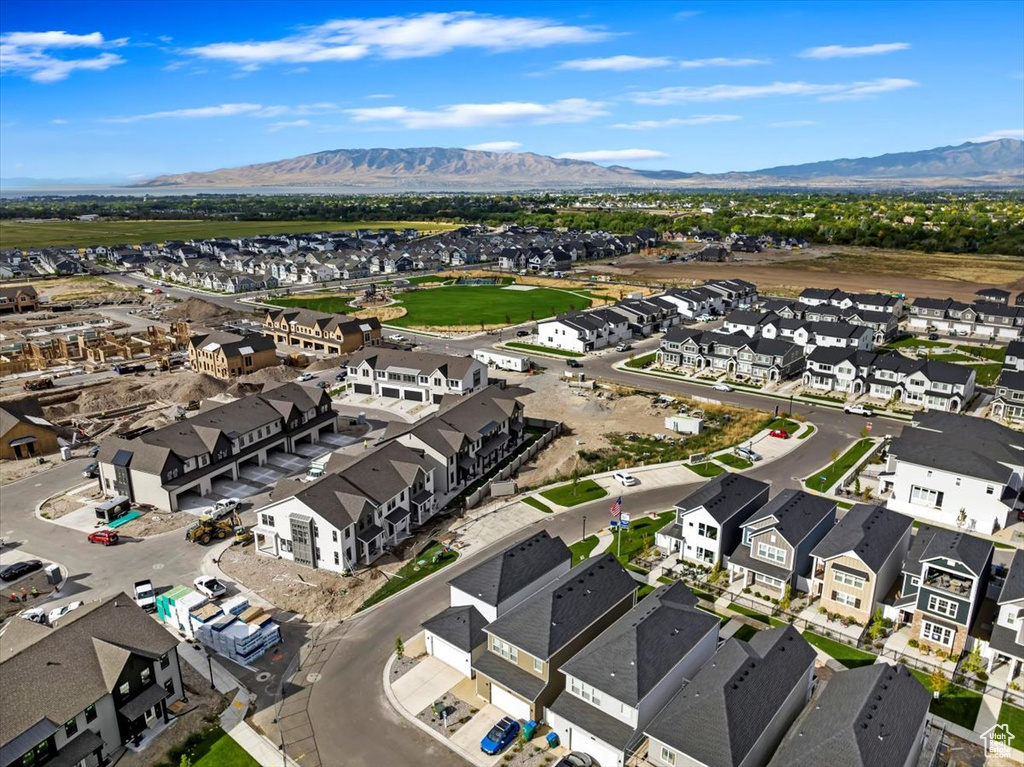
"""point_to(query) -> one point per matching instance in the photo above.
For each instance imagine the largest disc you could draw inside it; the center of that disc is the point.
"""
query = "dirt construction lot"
(852, 269)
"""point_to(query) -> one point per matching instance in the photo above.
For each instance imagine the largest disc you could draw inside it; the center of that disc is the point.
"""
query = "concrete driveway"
(469, 735)
(424, 684)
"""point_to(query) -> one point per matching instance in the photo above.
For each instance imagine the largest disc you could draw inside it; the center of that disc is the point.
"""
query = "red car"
(780, 433)
(106, 537)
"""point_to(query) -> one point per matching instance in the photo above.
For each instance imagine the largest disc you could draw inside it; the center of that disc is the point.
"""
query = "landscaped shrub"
(913, 643)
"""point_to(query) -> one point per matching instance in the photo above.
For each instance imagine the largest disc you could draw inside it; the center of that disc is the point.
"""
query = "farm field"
(82, 234)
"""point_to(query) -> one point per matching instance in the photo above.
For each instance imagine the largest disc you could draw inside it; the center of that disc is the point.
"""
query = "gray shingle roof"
(593, 720)
(509, 675)
(554, 616)
(462, 627)
(74, 665)
(870, 532)
(930, 542)
(718, 717)
(634, 654)
(508, 572)
(1013, 586)
(425, 363)
(866, 717)
(724, 495)
(797, 512)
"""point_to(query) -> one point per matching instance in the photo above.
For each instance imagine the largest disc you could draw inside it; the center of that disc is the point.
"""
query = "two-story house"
(1008, 404)
(945, 577)
(838, 369)
(18, 299)
(520, 672)
(622, 679)
(226, 355)
(979, 485)
(708, 521)
(319, 331)
(489, 590)
(748, 323)
(77, 693)
(584, 331)
(738, 707)
(414, 376)
(865, 717)
(775, 549)
(1006, 644)
(858, 561)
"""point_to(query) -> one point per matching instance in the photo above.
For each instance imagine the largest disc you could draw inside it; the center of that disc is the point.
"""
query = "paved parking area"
(307, 450)
(261, 475)
(336, 441)
(469, 735)
(288, 462)
(231, 488)
(424, 684)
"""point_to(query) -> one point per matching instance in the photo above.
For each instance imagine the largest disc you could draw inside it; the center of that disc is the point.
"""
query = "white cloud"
(274, 127)
(720, 62)
(59, 121)
(617, 63)
(684, 15)
(399, 37)
(381, 96)
(825, 92)
(792, 124)
(677, 122)
(478, 115)
(849, 52)
(496, 146)
(228, 110)
(995, 135)
(29, 54)
(613, 155)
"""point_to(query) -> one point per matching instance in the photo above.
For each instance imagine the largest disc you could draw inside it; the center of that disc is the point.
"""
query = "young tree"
(186, 761)
(877, 626)
(961, 518)
(939, 682)
(787, 598)
(399, 648)
(716, 571)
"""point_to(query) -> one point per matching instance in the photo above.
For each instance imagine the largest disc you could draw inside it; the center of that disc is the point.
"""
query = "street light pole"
(209, 663)
(584, 527)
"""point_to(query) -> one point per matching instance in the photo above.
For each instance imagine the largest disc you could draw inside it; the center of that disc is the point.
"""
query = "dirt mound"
(201, 312)
(176, 388)
(330, 363)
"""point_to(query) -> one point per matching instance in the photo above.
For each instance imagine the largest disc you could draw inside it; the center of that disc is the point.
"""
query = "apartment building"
(738, 355)
(227, 355)
(319, 331)
(931, 384)
(414, 376)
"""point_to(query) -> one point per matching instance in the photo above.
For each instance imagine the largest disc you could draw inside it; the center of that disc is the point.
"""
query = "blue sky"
(126, 90)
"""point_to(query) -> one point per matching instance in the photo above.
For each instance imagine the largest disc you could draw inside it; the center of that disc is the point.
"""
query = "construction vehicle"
(206, 529)
(163, 364)
(126, 369)
(37, 384)
(243, 536)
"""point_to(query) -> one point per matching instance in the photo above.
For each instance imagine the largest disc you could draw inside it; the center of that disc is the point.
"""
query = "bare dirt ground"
(849, 268)
(316, 594)
(74, 288)
(154, 523)
(59, 505)
(13, 470)
(200, 312)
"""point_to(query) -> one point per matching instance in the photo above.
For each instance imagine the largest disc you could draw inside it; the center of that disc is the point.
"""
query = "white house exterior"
(584, 331)
(416, 376)
(1006, 645)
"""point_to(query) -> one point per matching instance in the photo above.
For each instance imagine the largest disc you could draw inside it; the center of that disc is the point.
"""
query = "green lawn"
(996, 355)
(226, 753)
(986, 373)
(639, 531)
(416, 569)
(328, 304)
(954, 357)
(82, 234)
(642, 360)
(212, 747)
(471, 305)
(745, 633)
(567, 495)
(644, 591)
(539, 505)
(1014, 717)
(843, 464)
(807, 432)
(913, 341)
(427, 278)
(850, 657)
(749, 613)
(543, 349)
(734, 461)
(792, 427)
(958, 705)
(581, 549)
(707, 469)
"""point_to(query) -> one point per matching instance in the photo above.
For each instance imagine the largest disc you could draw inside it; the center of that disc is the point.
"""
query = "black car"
(522, 333)
(933, 336)
(93, 451)
(573, 364)
(19, 569)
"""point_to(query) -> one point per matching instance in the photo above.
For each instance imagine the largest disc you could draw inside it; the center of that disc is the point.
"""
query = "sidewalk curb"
(411, 718)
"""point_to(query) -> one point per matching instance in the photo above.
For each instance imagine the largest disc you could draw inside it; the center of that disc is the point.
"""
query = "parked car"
(623, 347)
(93, 451)
(92, 469)
(322, 385)
(780, 433)
(501, 735)
(106, 537)
(34, 614)
(304, 377)
(576, 759)
(224, 506)
(573, 363)
(209, 586)
(722, 387)
(19, 569)
(933, 336)
(59, 612)
(858, 409)
(522, 333)
(748, 453)
(145, 596)
(396, 337)
(341, 376)
(625, 478)
(140, 286)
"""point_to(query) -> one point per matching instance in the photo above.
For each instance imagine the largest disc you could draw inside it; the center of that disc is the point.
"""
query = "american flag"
(617, 506)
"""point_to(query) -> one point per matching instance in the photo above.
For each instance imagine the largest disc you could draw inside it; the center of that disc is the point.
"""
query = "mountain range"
(989, 164)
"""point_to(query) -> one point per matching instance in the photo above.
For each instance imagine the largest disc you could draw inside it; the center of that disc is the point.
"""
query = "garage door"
(413, 394)
(363, 389)
(389, 391)
(603, 754)
(449, 654)
(509, 703)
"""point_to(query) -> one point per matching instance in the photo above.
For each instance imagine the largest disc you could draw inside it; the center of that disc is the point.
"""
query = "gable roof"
(558, 613)
(26, 411)
(510, 571)
(232, 345)
(797, 512)
(735, 696)
(933, 542)
(870, 532)
(724, 495)
(632, 656)
(461, 627)
(1013, 586)
(865, 717)
(423, 363)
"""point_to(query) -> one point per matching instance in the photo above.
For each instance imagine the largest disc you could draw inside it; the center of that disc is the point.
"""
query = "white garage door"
(449, 654)
(509, 703)
(603, 754)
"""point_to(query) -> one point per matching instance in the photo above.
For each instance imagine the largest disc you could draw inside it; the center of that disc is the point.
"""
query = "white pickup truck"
(858, 409)
(145, 597)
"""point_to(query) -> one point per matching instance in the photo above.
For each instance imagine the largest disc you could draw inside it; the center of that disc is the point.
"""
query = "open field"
(62, 289)
(848, 268)
(82, 234)
(493, 305)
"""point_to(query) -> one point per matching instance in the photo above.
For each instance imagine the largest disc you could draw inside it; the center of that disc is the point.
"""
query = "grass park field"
(83, 234)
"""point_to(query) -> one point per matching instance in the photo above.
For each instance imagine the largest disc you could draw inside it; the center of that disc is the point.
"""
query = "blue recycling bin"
(553, 740)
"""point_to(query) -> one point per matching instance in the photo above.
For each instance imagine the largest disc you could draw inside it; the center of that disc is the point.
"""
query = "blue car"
(501, 734)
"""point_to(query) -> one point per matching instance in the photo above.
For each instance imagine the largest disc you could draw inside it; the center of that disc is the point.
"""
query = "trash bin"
(529, 729)
(552, 740)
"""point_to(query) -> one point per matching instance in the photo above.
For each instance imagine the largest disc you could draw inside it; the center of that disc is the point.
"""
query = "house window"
(846, 599)
(169, 686)
(668, 756)
(989, 490)
(538, 665)
(505, 650)
(846, 579)
(767, 580)
(922, 496)
(337, 559)
(936, 633)
(146, 675)
(70, 727)
(164, 661)
(334, 535)
(942, 606)
(771, 553)
(708, 531)
(267, 520)
(124, 689)
(90, 713)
